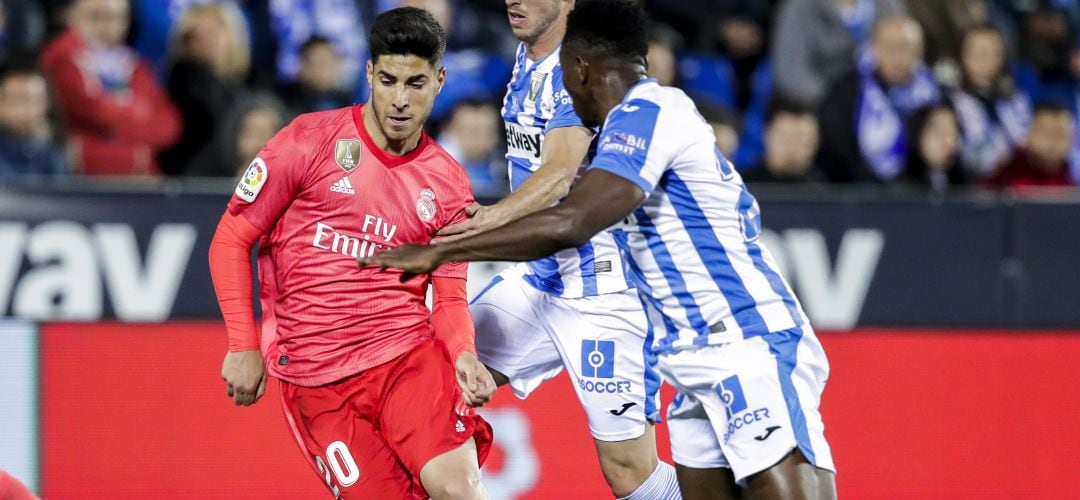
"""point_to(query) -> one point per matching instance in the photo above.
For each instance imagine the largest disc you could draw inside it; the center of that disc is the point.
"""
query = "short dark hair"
(315, 41)
(616, 28)
(1051, 106)
(408, 31)
(781, 104)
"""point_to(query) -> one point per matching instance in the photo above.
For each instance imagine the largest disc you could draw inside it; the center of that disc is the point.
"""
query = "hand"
(245, 376)
(413, 259)
(481, 219)
(476, 383)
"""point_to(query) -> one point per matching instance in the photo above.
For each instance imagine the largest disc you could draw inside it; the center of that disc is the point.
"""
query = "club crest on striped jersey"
(425, 205)
(534, 87)
(347, 154)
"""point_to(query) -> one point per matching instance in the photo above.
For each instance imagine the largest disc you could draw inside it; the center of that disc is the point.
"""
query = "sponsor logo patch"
(252, 182)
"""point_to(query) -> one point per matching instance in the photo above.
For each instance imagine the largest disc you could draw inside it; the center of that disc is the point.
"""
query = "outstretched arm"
(564, 149)
(598, 201)
(230, 269)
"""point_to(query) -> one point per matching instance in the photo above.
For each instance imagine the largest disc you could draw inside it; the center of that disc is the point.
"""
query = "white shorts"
(745, 405)
(530, 336)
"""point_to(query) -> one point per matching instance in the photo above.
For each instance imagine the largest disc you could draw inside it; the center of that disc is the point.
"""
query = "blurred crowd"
(932, 93)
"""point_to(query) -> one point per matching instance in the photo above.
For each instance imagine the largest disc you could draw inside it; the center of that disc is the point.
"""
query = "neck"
(397, 148)
(546, 43)
(614, 84)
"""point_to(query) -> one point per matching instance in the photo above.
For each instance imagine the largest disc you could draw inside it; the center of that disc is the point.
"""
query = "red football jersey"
(324, 193)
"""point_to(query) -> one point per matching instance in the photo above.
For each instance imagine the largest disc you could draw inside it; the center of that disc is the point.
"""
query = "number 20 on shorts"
(342, 465)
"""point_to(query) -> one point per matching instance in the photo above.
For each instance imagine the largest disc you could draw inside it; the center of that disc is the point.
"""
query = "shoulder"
(439, 159)
(321, 120)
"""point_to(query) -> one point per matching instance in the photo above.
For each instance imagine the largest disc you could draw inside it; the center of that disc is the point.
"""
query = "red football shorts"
(368, 436)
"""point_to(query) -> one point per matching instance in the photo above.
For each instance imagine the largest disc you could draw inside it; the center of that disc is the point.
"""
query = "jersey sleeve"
(272, 180)
(564, 115)
(460, 198)
(627, 145)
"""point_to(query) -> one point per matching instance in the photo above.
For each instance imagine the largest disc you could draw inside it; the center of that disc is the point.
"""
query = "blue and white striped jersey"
(692, 245)
(536, 103)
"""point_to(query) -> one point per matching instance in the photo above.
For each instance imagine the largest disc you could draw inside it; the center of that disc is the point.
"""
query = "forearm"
(230, 269)
(563, 151)
(450, 317)
(541, 190)
(528, 238)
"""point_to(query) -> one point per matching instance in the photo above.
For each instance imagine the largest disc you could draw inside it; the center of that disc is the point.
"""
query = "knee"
(625, 473)
(466, 487)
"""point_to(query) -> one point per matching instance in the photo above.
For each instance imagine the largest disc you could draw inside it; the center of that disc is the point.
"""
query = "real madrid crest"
(425, 205)
(347, 154)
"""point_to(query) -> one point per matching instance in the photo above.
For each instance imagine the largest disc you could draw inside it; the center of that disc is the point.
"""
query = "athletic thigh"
(604, 342)
(760, 400)
(510, 337)
(335, 428)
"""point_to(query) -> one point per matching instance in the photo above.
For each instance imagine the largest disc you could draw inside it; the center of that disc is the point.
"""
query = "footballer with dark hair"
(734, 340)
(376, 388)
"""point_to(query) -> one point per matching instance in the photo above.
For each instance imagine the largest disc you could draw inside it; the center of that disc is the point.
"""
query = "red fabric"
(230, 268)
(391, 419)
(113, 133)
(1020, 172)
(12, 489)
(334, 319)
(450, 317)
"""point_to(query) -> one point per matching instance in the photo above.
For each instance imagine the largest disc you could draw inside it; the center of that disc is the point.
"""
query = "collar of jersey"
(390, 160)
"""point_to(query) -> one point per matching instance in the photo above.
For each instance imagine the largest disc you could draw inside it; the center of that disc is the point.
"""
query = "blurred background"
(916, 162)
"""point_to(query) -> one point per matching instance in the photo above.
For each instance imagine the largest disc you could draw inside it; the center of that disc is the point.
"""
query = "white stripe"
(18, 401)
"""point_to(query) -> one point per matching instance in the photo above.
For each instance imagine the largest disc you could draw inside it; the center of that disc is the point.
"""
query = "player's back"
(326, 194)
(693, 243)
(536, 103)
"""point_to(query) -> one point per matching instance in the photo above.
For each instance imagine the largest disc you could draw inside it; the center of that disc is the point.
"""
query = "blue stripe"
(671, 272)
(775, 281)
(588, 269)
(651, 380)
(711, 252)
(519, 171)
(491, 284)
(785, 346)
(645, 291)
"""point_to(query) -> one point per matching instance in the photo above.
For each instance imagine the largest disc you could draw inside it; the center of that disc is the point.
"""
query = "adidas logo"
(459, 427)
(343, 186)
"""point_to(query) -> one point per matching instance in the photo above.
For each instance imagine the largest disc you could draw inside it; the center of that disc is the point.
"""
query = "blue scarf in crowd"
(880, 115)
(988, 141)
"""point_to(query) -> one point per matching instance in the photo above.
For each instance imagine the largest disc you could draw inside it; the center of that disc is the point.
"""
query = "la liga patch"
(252, 181)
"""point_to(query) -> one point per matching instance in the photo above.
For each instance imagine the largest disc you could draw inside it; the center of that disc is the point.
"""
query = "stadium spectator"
(1043, 161)
(994, 113)
(153, 27)
(815, 42)
(210, 55)
(318, 83)
(472, 136)
(791, 144)
(27, 146)
(935, 160)
(944, 25)
(244, 130)
(22, 28)
(663, 44)
(294, 22)
(117, 115)
(725, 126)
(865, 114)
(471, 73)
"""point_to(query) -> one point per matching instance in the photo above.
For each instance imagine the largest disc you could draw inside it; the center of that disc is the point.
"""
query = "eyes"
(416, 85)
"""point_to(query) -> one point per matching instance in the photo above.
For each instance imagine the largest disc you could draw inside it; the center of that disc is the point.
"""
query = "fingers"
(458, 228)
(470, 380)
(455, 237)
(472, 209)
(262, 388)
(406, 276)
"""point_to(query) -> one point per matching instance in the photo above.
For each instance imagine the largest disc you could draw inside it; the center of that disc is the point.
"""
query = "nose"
(401, 98)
